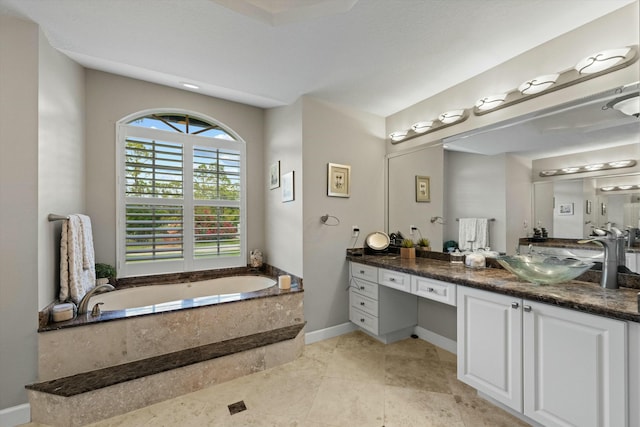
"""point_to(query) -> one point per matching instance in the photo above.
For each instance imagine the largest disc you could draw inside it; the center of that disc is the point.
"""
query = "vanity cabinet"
(386, 312)
(557, 366)
(436, 290)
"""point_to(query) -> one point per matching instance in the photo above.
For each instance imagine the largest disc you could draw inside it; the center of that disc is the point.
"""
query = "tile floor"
(351, 380)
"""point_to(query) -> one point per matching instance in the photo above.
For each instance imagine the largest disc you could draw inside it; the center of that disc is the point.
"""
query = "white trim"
(435, 339)
(15, 415)
(330, 332)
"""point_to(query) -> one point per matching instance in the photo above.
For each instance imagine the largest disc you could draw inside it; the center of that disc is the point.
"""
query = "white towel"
(77, 258)
(467, 233)
(482, 234)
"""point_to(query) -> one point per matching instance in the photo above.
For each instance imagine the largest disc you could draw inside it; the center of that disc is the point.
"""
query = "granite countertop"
(582, 296)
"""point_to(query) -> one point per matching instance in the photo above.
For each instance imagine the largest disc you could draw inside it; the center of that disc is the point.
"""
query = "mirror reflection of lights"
(570, 170)
(589, 168)
(594, 167)
(620, 164)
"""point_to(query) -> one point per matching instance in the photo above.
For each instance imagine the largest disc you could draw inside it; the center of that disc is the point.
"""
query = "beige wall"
(18, 208)
(283, 143)
(335, 134)
(111, 98)
(61, 158)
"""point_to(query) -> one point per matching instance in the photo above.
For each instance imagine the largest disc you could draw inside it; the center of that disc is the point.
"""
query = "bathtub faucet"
(84, 302)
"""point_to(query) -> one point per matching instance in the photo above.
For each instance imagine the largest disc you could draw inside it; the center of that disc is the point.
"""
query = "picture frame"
(565, 209)
(274, 175)
(288, 193)
(338, 180)
(423, 188)
(587, 208)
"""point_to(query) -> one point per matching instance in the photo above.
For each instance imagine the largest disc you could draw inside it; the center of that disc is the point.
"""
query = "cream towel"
(482, 234)
(467, 233)
(77, 258)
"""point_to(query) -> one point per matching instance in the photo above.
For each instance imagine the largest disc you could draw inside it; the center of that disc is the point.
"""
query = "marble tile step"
(105, 377)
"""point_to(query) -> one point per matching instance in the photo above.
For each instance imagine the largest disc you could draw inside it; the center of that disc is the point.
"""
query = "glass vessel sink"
(544, 269)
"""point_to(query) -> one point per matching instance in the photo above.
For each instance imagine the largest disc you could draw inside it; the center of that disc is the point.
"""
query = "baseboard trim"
(330, 332)
(15, 415)
(435, 339)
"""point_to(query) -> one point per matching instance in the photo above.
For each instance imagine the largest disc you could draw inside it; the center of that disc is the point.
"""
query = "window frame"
(188, 141)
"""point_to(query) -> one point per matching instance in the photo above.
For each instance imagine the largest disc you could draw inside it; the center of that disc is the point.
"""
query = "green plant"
(407, 243)
(423, 242)
(105, 271)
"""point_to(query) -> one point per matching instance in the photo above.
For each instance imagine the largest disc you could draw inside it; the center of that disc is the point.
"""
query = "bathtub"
(153, 298)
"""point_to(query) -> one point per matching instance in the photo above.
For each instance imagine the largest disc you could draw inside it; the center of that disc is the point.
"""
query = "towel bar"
(55, 217)
(489, 219)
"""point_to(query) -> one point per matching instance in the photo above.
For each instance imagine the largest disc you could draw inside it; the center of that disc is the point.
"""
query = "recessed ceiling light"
(189, 85)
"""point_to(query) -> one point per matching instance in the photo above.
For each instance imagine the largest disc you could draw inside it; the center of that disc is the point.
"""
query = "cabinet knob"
(361, 303)
(526, 308)
(362, 320)
(362, 288)
(392, 279)
(430, 290)
(361, 271)
(515, 305)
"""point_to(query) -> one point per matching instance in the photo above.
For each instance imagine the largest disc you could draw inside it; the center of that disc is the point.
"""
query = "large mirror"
(494, 172)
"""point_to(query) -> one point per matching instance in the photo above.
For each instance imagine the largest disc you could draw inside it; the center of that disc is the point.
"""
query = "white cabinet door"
(490, 344)
(574, 368)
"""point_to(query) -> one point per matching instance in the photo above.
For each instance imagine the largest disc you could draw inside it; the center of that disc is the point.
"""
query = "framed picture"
(423, 190)
(587, 208)
(274, 175)
(338, 180)
(288, 194)
(565, 209)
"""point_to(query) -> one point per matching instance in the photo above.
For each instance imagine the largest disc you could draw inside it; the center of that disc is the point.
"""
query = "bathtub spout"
(84, 302)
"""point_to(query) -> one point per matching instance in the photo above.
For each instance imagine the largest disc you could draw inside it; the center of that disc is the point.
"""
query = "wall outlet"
(412, 229)
(355, 231)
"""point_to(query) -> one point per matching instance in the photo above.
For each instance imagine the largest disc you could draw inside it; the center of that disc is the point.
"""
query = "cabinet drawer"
(363, 303)
(394, 279)
(434, 289)
(365, 288)
(365, 272)
(364, 320)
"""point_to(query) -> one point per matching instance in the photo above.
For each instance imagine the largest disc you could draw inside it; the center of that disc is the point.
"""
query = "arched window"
(181, 195)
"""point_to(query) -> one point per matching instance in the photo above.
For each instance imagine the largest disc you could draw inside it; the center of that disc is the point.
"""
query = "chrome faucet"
(84, 302)
(613, 243)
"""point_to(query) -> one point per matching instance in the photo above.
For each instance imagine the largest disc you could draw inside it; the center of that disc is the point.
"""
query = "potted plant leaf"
(105, 273)
(423, 244)
(407, 250)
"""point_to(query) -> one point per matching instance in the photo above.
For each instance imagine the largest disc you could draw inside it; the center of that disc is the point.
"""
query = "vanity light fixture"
(398, 135)
(451, 116)
(590, 67)
(422, 127)
(588, 168)
(602, 60)
(490, 102)
(628, 104)
(607, 188)
(625, 187)
(537, 85)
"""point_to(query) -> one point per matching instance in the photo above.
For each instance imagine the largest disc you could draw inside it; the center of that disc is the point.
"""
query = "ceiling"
(378, 56)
